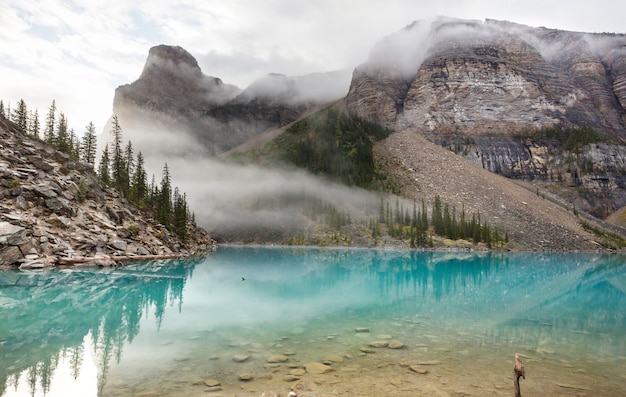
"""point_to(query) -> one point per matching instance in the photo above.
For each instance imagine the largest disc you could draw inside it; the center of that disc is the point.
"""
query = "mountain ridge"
(505, 97)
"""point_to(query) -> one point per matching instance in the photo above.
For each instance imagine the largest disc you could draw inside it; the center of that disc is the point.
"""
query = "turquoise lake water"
(167, 328)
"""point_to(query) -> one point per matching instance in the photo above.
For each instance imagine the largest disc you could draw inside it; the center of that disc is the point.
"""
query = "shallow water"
(164, 328)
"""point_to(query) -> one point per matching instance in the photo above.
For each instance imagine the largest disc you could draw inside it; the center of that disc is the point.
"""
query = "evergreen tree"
(20, 115)
(62, 140)
(75, 155)
(118, 167)
(88, 144)
(139, 187)
(129, 160)
(103, 168)
(34, 125)
(153, 193)
(180, 215)
(164, 200)
(48, 134)
(424, 216)
(2, 113)
(437, 217)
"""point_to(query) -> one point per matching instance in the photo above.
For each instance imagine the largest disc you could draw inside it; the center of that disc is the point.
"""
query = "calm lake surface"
(175, 328)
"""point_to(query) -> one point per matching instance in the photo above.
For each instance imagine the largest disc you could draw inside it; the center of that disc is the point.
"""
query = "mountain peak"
(174, 61)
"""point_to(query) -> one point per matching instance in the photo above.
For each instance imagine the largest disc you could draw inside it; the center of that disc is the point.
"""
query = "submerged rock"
(212, 382)
(395, 344)
(317, 368)
(277, 358)
(418, 370)
(240, 358)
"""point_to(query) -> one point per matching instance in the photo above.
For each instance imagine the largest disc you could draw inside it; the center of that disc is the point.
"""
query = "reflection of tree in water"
(55, 310)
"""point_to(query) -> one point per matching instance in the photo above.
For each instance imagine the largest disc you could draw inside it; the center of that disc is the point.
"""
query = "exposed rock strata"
(492, 77)
(52, 208)
(473, 86)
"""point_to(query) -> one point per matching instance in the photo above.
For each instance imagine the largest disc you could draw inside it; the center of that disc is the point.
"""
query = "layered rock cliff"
(53, 209)
(484, 89)
(493, 77)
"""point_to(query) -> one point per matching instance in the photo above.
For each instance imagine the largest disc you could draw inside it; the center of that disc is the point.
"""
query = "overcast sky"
(78, 51)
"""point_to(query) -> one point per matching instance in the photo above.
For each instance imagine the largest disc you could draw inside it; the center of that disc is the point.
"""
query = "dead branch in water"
(518, 370)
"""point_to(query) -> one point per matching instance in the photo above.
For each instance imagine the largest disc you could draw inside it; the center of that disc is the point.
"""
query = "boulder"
(59, 206)
(45, 191)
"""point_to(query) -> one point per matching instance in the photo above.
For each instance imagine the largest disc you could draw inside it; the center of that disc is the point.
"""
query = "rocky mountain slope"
(487, 90)
(172, 93)
(424, 170)
(53, 210)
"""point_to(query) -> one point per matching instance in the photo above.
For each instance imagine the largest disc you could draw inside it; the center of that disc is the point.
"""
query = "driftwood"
(518, 370)
(86, 259)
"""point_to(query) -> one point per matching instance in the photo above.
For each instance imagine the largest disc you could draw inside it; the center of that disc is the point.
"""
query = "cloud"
(94, 46)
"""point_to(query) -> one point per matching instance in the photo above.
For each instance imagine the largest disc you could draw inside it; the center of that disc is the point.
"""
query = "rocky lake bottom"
(316, 362)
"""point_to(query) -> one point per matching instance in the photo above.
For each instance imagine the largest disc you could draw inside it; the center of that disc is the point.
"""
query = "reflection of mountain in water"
(46, 315)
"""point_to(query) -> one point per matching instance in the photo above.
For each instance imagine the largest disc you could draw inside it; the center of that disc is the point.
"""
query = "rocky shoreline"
(53, 211)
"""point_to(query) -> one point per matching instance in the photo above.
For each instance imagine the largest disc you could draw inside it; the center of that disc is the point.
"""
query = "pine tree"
(20, 115)
(164, 200)
(103, 168)
(129, 160)
(62, 139)
(180, 215)
(74, 146)
(34, 125)
(48, 134)
(2, 113)
(437, 216)
(139, 187)
(118, 167)
(88, 145)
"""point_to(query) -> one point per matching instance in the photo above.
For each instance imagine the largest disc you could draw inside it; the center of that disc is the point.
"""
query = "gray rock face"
(492, 78)
(475, 87)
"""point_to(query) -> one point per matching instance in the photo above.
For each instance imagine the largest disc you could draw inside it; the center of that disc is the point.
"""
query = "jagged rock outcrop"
(172, 83)
(173, 94)
(52, 209)
(483, 88)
